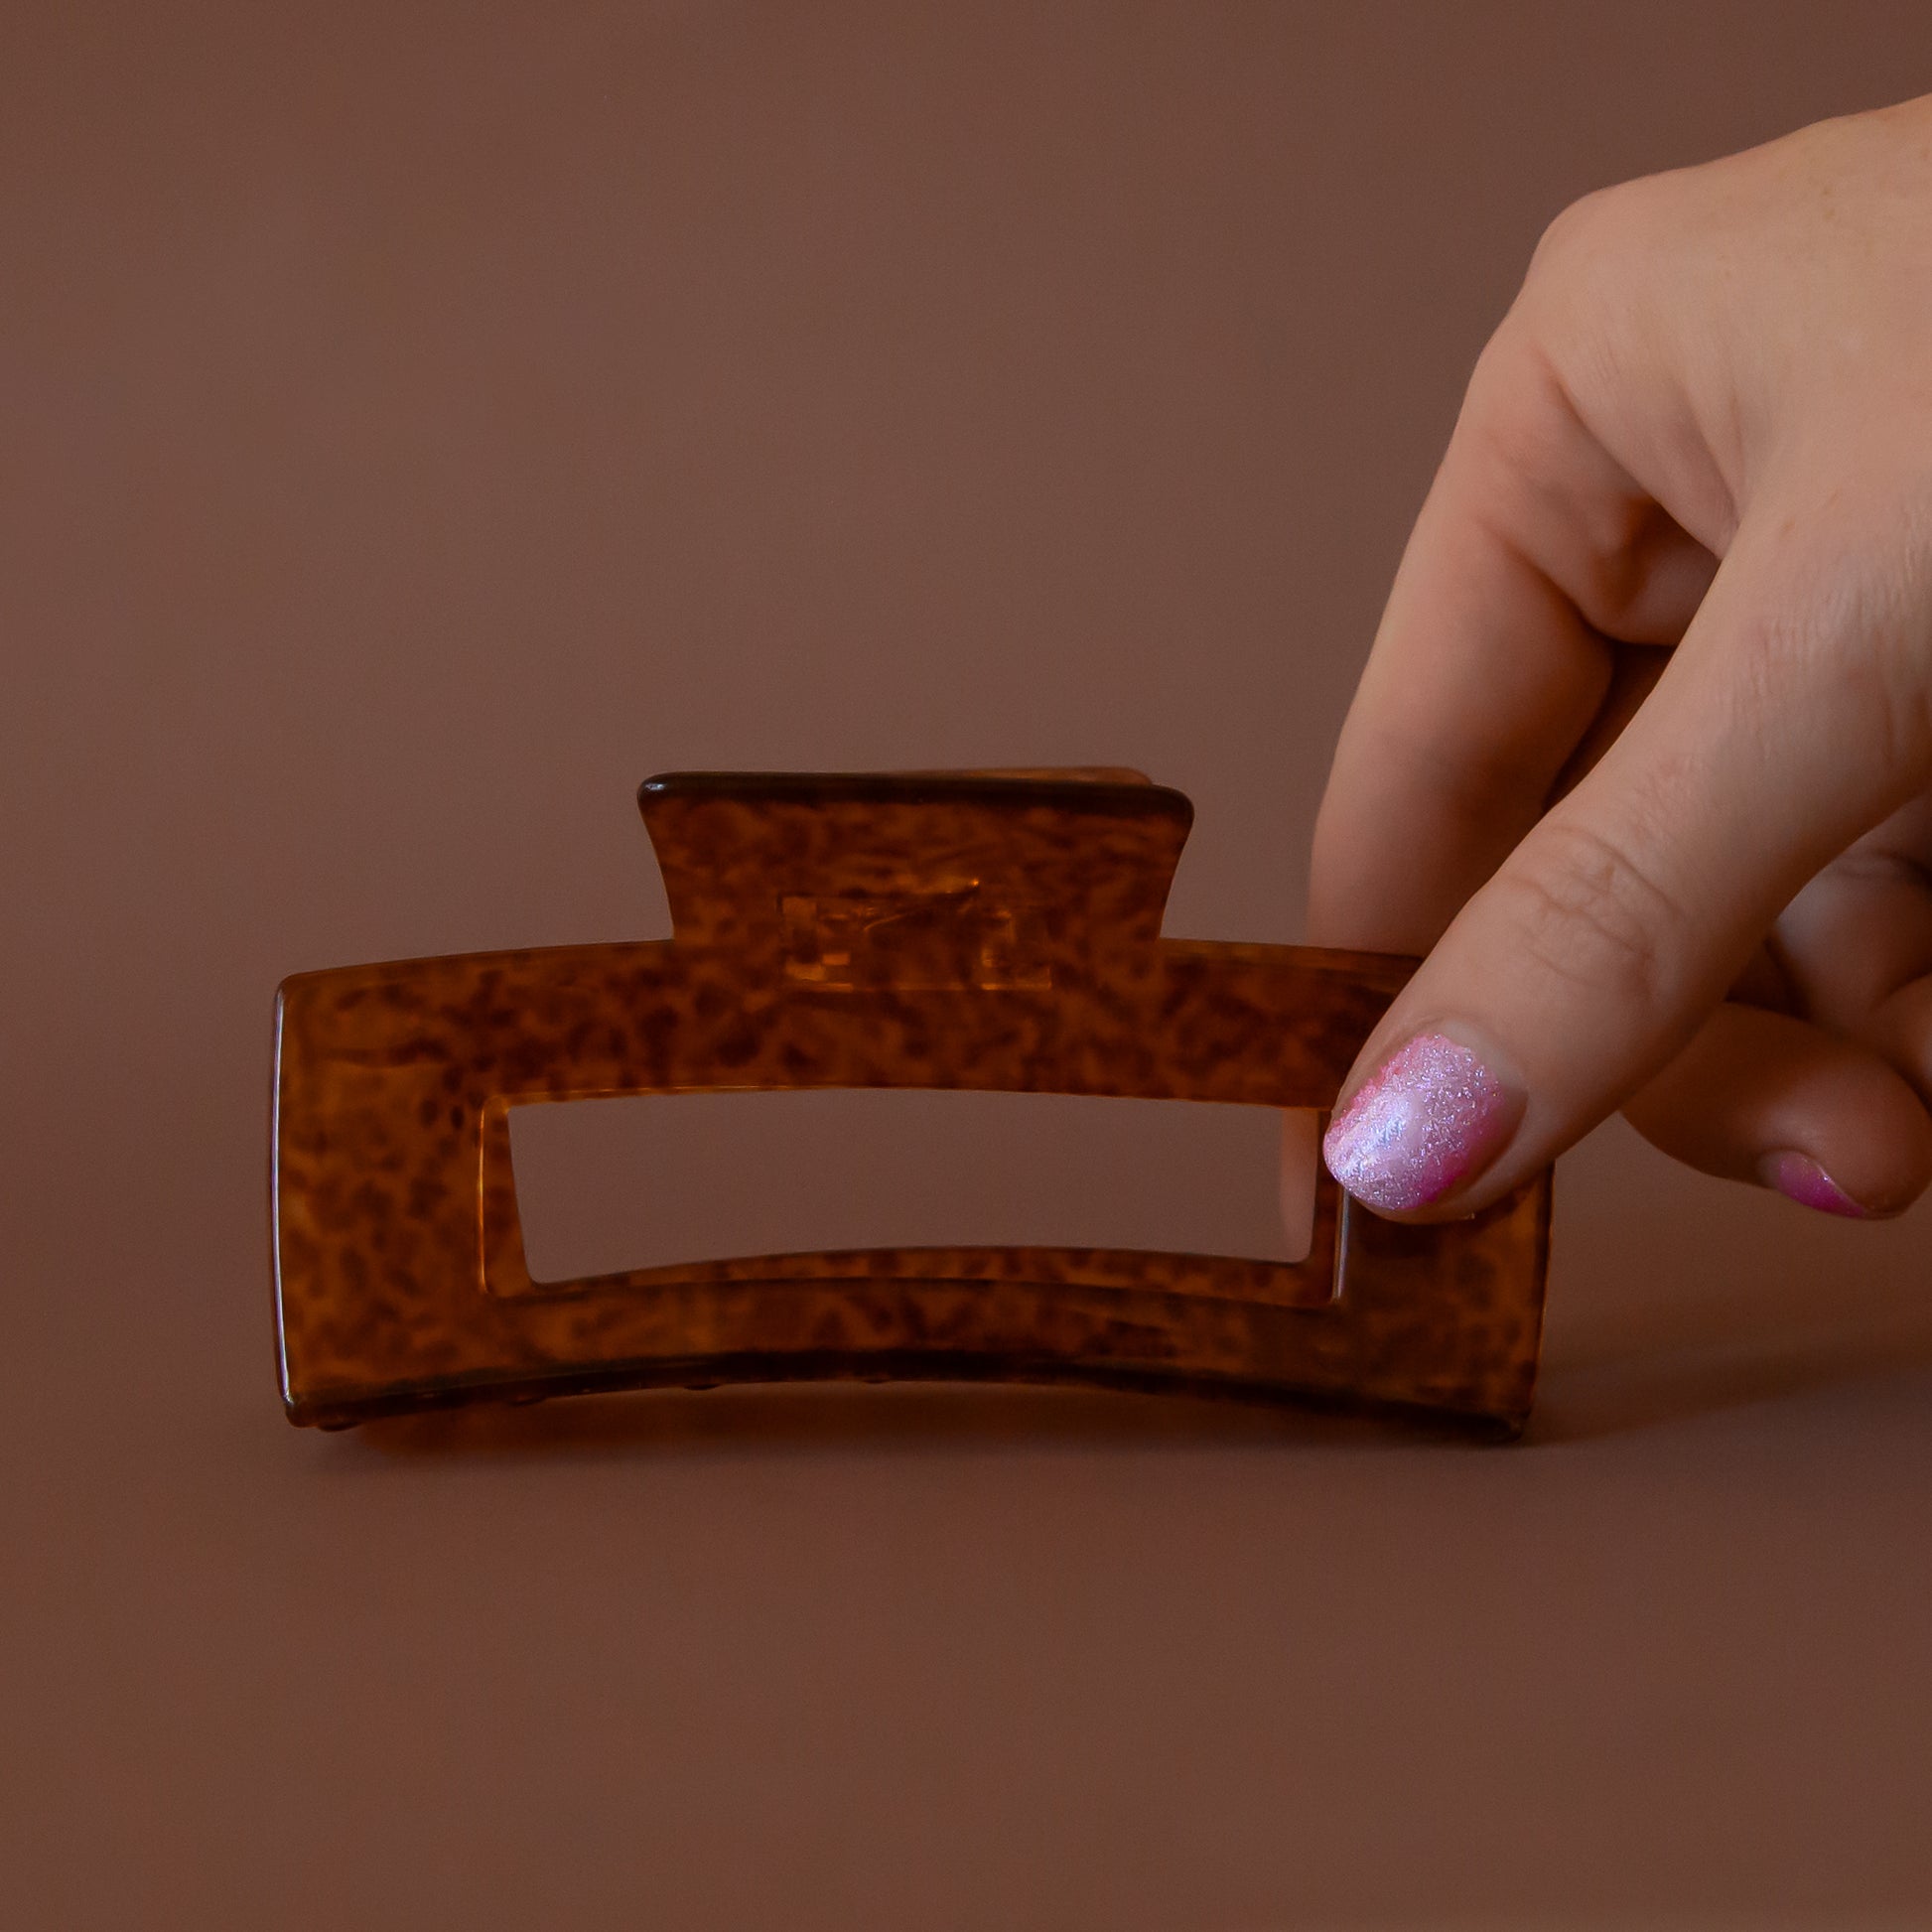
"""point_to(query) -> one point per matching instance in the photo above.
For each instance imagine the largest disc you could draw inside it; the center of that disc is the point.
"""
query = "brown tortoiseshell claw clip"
(923, 930)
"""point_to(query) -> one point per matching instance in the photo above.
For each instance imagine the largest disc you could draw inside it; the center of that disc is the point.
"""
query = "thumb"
(1780, 733)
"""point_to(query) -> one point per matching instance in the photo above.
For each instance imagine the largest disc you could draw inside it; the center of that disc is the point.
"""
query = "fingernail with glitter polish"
(1799, 1177)
(1430, 1117)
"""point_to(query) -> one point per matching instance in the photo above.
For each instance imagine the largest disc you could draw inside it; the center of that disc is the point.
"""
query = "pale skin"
(1642, 754)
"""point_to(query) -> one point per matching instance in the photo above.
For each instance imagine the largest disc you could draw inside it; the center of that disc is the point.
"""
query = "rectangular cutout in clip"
(605, 1186)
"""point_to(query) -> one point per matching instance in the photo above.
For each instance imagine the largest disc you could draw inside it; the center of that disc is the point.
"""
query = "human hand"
(1641, 754)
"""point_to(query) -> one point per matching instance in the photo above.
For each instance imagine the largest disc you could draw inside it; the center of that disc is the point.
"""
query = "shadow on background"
(1768, 1303)
(901, 1419)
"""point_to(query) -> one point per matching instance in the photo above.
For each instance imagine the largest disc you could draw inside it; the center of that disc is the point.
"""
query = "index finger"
(1535, 553)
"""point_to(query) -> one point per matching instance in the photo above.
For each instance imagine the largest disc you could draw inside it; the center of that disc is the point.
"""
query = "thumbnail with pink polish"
(1801, 1178)
(1430, 1117)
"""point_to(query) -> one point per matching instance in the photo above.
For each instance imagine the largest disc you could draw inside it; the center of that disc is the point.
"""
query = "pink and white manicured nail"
(1799, 1177)
(1431, 1117)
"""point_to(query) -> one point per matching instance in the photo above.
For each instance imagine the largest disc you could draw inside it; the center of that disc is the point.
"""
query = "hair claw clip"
(995, 930)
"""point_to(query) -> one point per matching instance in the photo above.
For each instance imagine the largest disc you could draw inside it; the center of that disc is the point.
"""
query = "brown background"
(419, 424)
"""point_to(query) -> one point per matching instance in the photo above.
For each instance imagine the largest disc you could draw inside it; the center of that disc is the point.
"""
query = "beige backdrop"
(421, 422)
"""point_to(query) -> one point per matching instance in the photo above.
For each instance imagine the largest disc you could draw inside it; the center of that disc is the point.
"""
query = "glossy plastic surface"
(942, 930)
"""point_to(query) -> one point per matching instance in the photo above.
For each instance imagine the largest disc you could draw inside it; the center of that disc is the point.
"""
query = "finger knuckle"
(1593, 226)
(1896, 697)
(1894, 669)
(1588, 913)
(1850, 641)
